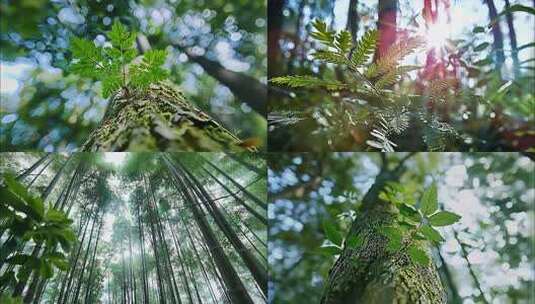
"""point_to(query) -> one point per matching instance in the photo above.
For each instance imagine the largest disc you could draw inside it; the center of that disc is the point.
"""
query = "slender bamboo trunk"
(237, 291)
(245, 191)
(262, 218)
(236, 157)
(32, 167)
(252, 263)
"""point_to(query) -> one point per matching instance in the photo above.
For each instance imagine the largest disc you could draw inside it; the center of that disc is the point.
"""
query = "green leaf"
(18, 259)
(418, 256)
(53, 215)
(364, 48)
(149, 70)
(330, 57)
(483, 62)
(17, 196)
(431, 234)
(332, 233)
(394, 236)
(343, 41)
(444, 218)
(354, 242)
(481, 47)
(478, 29)
(45, 269)
(120, 37)
(410, 213)
(322, 34)
(308, 82)
(518, 8)
(429, 202)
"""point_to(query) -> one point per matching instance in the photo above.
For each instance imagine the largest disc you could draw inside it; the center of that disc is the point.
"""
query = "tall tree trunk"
(352, 24)
(512, 39)
(369, 274)
(497, 34)
(237, 291)
(159, 118)
(386, 25)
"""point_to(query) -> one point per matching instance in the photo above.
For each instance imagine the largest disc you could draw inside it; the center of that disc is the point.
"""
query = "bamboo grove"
(154, 228)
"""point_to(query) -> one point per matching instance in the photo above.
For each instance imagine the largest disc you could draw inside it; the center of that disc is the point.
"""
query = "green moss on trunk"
(158, 119)
(370, 274)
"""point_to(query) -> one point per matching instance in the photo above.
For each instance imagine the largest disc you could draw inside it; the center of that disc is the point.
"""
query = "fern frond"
(393, 56)
(322, 34)
(329, 57)
(343, 42)
(308, 82)
(364, 48)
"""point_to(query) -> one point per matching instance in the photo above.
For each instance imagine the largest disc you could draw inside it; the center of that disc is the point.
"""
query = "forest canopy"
(389, 75)
(215, 56)
(330, 214)
(133, 228)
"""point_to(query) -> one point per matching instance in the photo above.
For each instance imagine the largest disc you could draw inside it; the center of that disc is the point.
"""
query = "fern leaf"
(329, 57)
(393, 56)
(343, 42)
(308, 82)
(364, 48)
(322, 34)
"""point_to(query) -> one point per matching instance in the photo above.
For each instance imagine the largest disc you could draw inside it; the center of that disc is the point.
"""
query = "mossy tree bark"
(369, 273)
(158, 119)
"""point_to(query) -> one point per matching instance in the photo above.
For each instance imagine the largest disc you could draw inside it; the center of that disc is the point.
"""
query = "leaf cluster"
(415, 221)
(24, 216)
(368, 85)
(113, 65)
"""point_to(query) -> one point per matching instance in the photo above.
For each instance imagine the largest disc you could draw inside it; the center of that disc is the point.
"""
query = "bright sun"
(437, 34)
(115, 158)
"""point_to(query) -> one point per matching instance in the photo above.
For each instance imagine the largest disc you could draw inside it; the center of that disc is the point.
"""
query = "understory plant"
(115, 64)
(369, 91)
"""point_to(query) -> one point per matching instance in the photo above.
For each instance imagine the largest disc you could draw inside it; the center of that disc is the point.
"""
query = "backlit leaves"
(112, 65)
